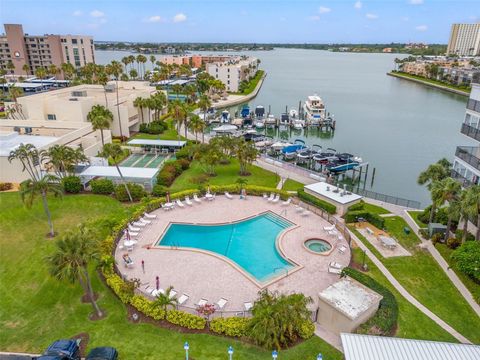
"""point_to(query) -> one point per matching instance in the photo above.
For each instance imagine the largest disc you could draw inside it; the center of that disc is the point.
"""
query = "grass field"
(252, 84)
(292, 185)
(36, 310)
(425, 280)
(375, 209)
(414, 216)
(226, 174)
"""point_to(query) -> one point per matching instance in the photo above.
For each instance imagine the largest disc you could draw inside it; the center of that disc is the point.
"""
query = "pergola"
(158, 144)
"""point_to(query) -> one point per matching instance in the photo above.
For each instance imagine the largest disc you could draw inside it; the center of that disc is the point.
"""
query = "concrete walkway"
(330, 337)
(406, 294)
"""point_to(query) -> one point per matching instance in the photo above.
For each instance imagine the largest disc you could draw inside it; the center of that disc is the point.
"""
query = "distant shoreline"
(430, 84)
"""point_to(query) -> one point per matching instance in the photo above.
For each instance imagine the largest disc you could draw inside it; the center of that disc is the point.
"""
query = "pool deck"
(203, 275)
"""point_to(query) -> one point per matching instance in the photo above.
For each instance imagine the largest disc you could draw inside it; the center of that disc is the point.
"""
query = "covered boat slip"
(147, 177)
(158, 145)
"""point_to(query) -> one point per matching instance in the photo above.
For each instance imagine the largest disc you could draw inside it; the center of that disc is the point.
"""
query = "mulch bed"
(84, 337)
(85, 299)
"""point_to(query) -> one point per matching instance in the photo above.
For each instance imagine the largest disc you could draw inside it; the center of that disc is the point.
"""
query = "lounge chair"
(133, 233)
(276, 199)
(336, 265)
(132, 228)
(342, 249)
(334, 271)
(265, 196)
(149, 289)
(139, 223)
(272, 196)
(247, 306)
(145, 221)
(150, 216)
(157, 292)
(196, 199)
(228, 196)
(183, 299)
(285, 203)
(332, 232)
(179, 203)
(329, 228)
(221, 303)
(340, 237)
(298, 208)
(202, 302)
(187, 201)
(173, 293)
(305, 213)
(127, 260)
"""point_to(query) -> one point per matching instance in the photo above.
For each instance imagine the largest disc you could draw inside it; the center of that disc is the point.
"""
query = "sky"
(249, 21)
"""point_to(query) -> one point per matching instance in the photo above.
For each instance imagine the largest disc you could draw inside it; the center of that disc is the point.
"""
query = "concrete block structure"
(233, 71)
(464, 40)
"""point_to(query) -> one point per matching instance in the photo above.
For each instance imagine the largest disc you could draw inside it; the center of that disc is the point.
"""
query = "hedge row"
(385, 320)
(171, 170)
(374, 219)
(312, 200)
(155, 127)
(231, 326)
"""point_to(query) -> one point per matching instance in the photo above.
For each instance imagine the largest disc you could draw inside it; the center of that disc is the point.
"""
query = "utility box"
(436, 228)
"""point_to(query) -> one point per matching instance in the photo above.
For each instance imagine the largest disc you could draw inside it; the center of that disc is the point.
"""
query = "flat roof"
(127, 172)
(350, 297)
(23, 85)
(174, 143)
(369, 347)
(328, 191)
(9, 141)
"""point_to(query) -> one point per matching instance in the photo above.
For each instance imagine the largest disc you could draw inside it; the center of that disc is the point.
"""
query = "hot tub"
(318, 246)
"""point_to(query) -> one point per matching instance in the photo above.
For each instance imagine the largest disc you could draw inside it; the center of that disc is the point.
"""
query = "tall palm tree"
(164, 300)
(246, 153)
(139, 103)
(435, 172)
(26, 68)
(11, 66)
(38, 184)
(101, 119)
(466, 205)
(133, 74)
(68, 70)
(53, 70)
(70, 260)
(196, 125)
(114, 151)
(103, 80)
(473, 204)
(125, 61)
(63, 159)
(152, 60)
(447, 191)
(115, 68)
(41, 72)
(204, 104)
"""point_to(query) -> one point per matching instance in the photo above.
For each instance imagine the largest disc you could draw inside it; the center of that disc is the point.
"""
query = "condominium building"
(464, 40)
(196, 61)
(466, 165)
(233, 71)
(73, 104)
(21, 49)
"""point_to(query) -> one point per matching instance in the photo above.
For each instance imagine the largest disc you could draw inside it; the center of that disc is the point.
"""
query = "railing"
(466, 153)
(470, 131)
(462, 179)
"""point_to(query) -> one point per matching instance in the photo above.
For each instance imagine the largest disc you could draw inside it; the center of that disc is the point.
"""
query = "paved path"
(406, 294)
(330, 337)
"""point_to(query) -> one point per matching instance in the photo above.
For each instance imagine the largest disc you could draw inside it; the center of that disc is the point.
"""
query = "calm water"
(399, 127)
(249, 243)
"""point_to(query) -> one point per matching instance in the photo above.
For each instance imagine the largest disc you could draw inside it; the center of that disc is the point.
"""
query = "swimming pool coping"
(246, 274)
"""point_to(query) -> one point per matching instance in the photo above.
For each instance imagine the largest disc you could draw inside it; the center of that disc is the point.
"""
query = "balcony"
(470, 131)
(468, 154)
(461, 179)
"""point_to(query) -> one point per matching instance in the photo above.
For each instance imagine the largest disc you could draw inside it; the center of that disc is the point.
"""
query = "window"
(51, 117)
(74, 41)
(81, 41)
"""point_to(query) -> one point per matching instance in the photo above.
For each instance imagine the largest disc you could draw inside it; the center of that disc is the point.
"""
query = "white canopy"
(154, 142)
(225, 128)
(127, 172)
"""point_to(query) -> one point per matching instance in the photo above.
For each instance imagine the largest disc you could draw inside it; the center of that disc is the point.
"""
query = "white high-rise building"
(464, 40)
(233, 71)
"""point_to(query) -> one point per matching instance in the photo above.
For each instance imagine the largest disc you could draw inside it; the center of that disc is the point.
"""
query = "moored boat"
(314, 109)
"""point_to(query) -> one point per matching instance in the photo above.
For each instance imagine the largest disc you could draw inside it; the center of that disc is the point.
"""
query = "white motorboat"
(225, 116)
(271, 121)
(293, 113)
(314, 110)
(260, 123)
(279, 145)
(298, 124)
(225, 129)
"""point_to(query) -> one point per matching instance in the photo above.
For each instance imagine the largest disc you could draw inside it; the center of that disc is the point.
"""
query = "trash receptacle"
(406, 230)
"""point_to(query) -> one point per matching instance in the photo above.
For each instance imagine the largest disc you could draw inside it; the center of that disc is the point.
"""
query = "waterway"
(398, 126)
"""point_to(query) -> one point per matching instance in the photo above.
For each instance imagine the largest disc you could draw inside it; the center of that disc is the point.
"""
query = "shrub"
(136, 190)
(459, 235)
(72, 184)
(183, 153)
(117, 284)
(385, 320)
(453, 243)
(186, 320)
(4, 186)
(102, 186)
(159, 190)
(155, 127)
(170, 170)
(147, 307)
(467, 259)
(184, 163)
(312, 200)
(436, 238)
(306, 330)
(373, 219)
(440, 217)
(231, 326)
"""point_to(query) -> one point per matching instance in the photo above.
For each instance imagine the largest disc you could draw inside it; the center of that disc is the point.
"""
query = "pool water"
(318, 245)
(250, 243)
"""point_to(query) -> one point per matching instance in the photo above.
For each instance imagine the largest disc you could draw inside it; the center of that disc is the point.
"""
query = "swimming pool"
(250, 243)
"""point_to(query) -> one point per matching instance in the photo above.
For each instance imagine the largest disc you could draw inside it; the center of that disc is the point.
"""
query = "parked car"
(62, 350)
(102, 353)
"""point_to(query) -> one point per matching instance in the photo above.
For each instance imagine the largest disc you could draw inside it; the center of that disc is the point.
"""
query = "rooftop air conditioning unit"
(110, 88)
(82, 93)
(73, 99)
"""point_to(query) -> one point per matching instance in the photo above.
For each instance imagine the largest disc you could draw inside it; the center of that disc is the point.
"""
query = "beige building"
(464, 40)
(43, 50)
(73, 104)
(233, 71)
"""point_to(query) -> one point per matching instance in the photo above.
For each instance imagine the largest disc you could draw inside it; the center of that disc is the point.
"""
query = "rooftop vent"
(110, 87)
(82, 93)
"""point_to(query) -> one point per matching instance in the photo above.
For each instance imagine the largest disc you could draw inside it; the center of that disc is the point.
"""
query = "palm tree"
(114, 151)
(435, 172)
(246, 154)
(133, 74)
(466, 205)
(68, 70)
(164, 300)
(177, 89)
(125, 61)
(63, 159)
(53, 70)
(41, 72)
(447, 191)
(38, 184)
(115, 68)
(152, 60)
(26, 68)
(103, 80)
(11, 66)
(71, 258)
(473, 206)
(101, 119)
(177, 109)
(139, 103)
(196, 125)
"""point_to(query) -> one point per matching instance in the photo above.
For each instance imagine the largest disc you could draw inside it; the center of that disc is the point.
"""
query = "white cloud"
(97, 14)
(314, 17)
(416, 2)
(371, 16)
(77, 13)
(324, 10)
(180, 17)
(358, 5)
(421, 28)
(154, 18)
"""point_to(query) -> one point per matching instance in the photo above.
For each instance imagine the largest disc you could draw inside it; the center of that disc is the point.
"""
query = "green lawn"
(471, 285)
(36, 310)
(226, 174)
(292, 185)
(375, 209)
(169, 134)
(425, 280)
(414, 215)
(252, 84)
(412, 323)
(434, 82)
